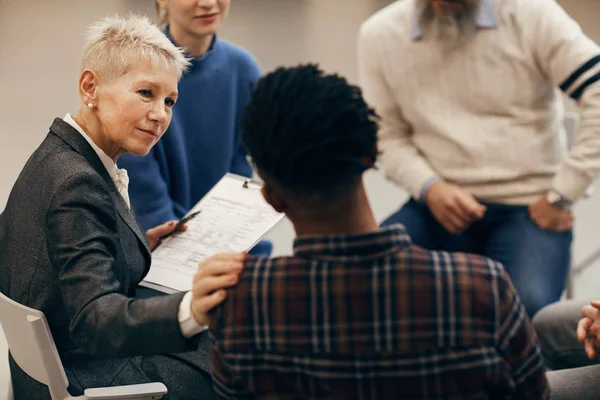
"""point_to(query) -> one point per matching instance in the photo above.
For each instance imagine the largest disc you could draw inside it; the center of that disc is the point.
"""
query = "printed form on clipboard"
(234, 217)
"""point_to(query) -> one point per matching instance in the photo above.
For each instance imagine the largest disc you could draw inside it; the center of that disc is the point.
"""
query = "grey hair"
(113, 44)
(448, 28)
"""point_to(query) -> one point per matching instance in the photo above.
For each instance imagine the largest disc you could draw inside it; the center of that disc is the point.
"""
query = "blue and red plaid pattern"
(374, 317)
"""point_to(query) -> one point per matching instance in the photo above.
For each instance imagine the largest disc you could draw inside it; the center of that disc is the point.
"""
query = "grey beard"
(449, 29)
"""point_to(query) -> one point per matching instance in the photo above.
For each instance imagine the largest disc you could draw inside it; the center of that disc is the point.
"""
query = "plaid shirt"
(374, 317)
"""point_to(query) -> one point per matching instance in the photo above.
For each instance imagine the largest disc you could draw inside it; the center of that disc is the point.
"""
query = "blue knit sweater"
(203, 141)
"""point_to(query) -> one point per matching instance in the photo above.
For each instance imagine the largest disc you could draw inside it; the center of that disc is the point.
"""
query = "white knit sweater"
(487, 115)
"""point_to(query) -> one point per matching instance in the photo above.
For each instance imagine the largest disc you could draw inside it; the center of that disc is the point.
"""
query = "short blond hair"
(113, 44)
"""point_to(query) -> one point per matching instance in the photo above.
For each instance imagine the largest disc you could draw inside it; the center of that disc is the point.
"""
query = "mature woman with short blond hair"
(70, 246)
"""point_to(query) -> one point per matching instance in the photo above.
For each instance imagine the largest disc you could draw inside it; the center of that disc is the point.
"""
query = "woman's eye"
(169, 102)
(145, 93)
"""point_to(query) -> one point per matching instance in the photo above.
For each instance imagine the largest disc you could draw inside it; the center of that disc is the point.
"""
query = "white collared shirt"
(119, 176)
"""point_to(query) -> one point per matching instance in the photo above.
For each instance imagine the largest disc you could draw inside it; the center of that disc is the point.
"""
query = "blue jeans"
(536, 260)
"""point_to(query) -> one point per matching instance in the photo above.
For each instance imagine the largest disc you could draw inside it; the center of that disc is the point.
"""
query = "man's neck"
(196, 46)
(354, 216)
(347, 226)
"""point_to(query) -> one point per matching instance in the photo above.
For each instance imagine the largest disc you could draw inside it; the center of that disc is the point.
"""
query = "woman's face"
(197, 17)
(135, 109)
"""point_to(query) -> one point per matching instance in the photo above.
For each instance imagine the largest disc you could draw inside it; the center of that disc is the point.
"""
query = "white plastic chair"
(32, 347)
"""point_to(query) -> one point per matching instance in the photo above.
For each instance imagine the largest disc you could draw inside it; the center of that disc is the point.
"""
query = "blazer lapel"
(129, 219)
(74, 139)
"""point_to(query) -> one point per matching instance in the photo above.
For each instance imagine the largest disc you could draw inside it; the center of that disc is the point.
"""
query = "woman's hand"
(155, 234)
(214, 275)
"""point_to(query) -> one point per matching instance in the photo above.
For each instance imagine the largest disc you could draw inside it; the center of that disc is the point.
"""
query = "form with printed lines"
(234, 217)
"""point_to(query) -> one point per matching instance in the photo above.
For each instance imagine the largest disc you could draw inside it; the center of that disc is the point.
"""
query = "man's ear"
(273, 198)
(88, 87)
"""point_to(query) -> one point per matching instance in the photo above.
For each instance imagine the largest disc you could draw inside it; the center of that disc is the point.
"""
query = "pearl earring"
(90, 105)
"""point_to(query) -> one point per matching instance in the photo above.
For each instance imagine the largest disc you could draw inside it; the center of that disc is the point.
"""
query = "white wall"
(40, 46)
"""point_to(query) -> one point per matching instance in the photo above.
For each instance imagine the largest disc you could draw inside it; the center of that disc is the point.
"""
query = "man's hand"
(214, 275)
(550, 218)
(155, 234)
(588, 329)
(453, 207)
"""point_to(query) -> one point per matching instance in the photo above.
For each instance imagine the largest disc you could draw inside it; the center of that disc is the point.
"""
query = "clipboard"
(234, 218)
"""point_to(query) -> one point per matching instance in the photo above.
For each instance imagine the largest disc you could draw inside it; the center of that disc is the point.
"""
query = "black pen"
(182, 222)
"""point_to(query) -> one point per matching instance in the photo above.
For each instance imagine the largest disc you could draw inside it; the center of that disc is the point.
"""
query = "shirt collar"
(486, 19)
(108, 162)
(353, 247)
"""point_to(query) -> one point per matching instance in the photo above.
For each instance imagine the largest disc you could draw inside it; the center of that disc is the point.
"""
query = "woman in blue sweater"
(203, 141)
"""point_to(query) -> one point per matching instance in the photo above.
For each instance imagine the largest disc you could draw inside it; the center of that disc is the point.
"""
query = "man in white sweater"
(472, 122)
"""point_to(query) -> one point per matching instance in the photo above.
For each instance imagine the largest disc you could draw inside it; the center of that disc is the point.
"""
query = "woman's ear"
(274, 200)
(88, 87)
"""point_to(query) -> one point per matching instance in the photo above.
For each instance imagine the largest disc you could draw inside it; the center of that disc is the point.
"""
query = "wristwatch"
(555, 199)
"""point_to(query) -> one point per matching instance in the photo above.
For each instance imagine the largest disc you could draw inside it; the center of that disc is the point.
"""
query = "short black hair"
(309, 132)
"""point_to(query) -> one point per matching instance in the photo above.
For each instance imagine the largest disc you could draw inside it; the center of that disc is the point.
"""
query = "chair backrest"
(32, 346)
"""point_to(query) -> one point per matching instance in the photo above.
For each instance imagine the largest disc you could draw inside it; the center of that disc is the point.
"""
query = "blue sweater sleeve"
(249, 75)
(148, 191)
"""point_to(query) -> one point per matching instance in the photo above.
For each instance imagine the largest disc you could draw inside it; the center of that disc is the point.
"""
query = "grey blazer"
(70, 247)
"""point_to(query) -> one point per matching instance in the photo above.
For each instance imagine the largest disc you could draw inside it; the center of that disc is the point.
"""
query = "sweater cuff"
(426, 187)
(419, 183)
(571, 183)
(413, 180)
